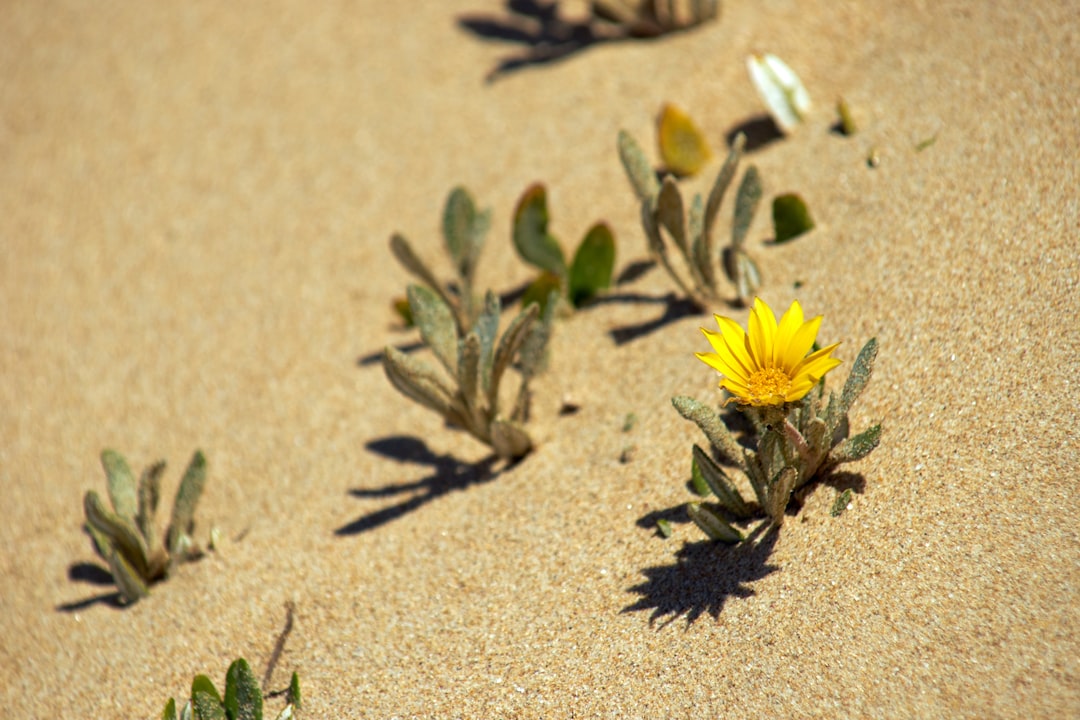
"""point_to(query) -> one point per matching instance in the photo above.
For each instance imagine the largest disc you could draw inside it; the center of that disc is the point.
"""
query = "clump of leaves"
(243, 698)
(650, 18)
(127, 537)
(471, 398)
(464, 229)
(796, 444)
(581, 279)
(663, 212)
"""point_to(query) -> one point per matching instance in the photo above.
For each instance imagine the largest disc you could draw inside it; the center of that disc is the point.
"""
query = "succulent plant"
(243, 699)
(127, 537)
(792, 450)
(580, 280)
(664, 211)
(476, 365)
(464, 229)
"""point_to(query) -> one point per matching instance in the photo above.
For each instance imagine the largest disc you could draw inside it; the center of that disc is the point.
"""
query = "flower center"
(769, 384)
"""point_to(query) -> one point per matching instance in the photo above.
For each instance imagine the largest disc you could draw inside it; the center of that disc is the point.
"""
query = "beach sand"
(195, 204)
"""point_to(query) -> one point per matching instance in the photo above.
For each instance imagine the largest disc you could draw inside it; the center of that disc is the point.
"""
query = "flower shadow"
(92, 574)
(449, 474)
(703, 577)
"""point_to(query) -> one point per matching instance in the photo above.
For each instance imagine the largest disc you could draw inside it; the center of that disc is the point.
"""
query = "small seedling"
(581, 280)
(127, 537)
(798, 438)
(464, 228)
(663, 211)
(476, 366)
(781, 89)
(791, 218)
(243, 698)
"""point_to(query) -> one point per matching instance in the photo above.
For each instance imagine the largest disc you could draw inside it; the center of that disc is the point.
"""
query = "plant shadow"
(92, 574)
(703, 577)
(449, 474)
(760, 130)
(675, 308)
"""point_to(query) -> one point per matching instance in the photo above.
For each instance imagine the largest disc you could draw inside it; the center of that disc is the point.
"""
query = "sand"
(195, 203)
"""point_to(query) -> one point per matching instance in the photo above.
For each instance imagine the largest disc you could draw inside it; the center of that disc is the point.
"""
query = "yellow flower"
(770, 365)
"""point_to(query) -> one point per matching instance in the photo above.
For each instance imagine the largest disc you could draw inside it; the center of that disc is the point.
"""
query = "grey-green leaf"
(486, 329)
(121, 532)
(510, 342)
(401, 249)
(791, 217)
(720, 484)
(857, 447)
(670, 213)
(436, 322)
(593, 264)
(712, 525)
(840, 504)
(861, 370)
(416, 380)
(243, 699)
(469, 375)
(710, 423)
(780, 492)
(127, 578)
(187, 498)
(121, 484)
(531, 238)
(746, 202)
(637, 167)
(723, 180)
(149, 494)
(463, 230)
(206, 706)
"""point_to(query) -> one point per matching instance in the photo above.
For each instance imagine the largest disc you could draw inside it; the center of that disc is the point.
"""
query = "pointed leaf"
(756, 476)
(243, 699)
(847, 120)
(469, 376)
(149, 494)
(638, 168)
(720, 484)
(700, 249)
(840, 504)
(510, 440)
(682, 146)
(296, 699)
(206, 707)
(122, 491)
(464, 229)
(486, 329)
(401, 249)
(122, 534)
(790, 216)
(670, 214)
(509, 344)
(531, 238)
(720, 186)
(710, 423)
(533, 356)
(593, 265)
(170, 710)
(861, 370)
(746, 202)
(203, 684)
(712, 525)
(102, 543)
(436, 322)
(780, 88)
(126, 577)
(856, 448)
(187, 497)
(186, 712)
(780, 492)
(652, 231)
(417, 381)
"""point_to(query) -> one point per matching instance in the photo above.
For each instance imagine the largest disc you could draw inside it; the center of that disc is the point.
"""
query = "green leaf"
(170, 710)
(437, 326)
(861, 370)
(401, 307)
(664, 527)
(670, 214)
(122, 534)
(187, 497)
(720, 186)
(790, 216)
(401, 249)
(533, 357)
(510, 440)
(417, 381)
(207, 707)
(149, 494)
(697, 481)
(295, 697)
(856, 448)
(243, 699)
(203, 684)
(593, 265)
(469, 376)
(122, 492)
(127, 579)
(638, 168)
(720, 484)
(463, 230)
(840, 504)
(531, 238)
(756, 475)
(710, 423)
(780, 492)
(746, 202)
(712, 525)
(102, 543)
(509, 344)
(682, 146)
(540, 289)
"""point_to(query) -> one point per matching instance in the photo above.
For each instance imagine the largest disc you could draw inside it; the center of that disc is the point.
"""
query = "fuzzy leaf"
(121, 485)
(243, 699)
(401, 249)
(840, 504)
(720, 186)
(652, 231)
(437, 327)
(790, 216)
(669, 212)
(741, 270)
(781, 89)
(533, 355)
(469, 375)
(531, 238)
(295, 696)
(682, 146)
(486, 328)
(187, 497)
(510, 440)
(746, 202)
(856, 448)
(638, 168)
(861, 370)
(710, 423)
(780, 492)
(102, 543)
(720, 484)
(509, 344)
(593, 265)
(149, 494)
(122, 534)
(170, 710)
(463, 230)
(756, 475)
(417, 381)
(127, 578)
(207, 707)
(712, 525)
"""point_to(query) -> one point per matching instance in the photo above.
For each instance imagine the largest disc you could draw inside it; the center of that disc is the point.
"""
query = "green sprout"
(663, 211)
(243, 698)
(581, 280)
(127, 538)
(476, 366)
(464, 228)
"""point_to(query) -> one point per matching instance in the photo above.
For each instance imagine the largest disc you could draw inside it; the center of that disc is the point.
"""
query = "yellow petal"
(762, 333)
(790, 324)
(719, 362)
(737, 344)
(801, 342)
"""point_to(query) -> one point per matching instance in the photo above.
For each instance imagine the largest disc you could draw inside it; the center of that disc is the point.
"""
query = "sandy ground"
(195, 202)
